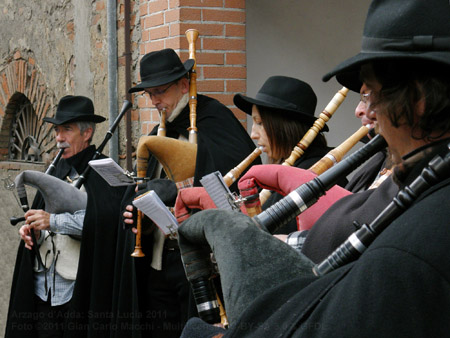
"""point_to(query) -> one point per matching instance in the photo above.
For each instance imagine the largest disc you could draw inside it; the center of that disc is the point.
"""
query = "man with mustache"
(43, 297)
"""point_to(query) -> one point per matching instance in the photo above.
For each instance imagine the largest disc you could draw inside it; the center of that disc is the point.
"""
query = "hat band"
(274, 100)
(416, 43)
(163, 73)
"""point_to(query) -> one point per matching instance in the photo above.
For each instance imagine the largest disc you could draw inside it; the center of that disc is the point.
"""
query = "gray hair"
(84, 125)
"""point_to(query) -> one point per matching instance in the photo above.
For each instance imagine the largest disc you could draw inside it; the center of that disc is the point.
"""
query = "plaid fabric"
(297, 239)
(185, 184)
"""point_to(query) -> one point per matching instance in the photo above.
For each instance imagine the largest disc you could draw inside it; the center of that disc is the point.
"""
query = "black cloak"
(399, 287)
(91, 300)
(222, 144)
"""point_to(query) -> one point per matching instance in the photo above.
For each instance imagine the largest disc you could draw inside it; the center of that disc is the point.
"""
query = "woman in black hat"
(282, 112)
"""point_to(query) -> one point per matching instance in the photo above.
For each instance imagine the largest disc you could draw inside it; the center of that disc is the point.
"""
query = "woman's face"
(259, 133)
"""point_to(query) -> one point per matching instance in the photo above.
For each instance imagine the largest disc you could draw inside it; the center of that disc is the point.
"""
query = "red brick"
(226, 99)
(159, 32)
(236, 86)
(204, 29)
(225, 72)
(210, 58)
(174, 3)
(236, 58)
(237, 30)
(172, 15)
(143, 9)
(173, 43)
(157, 6)
(145, 35)
(145, 115)
(223, 15)
(144, 129)
(224, 44)
(153, 20)
(210, 86)
(190, 14)
(201, 3)
(142, 48)
(235, 4)
(154, 116)
(135, 115)
(154, 45)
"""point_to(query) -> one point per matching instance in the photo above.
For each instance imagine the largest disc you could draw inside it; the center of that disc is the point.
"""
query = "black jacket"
(399, 287)
(222, 144)
(93, 287)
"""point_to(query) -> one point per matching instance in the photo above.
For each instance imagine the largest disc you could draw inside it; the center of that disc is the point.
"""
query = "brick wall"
(220, 48)
(20, 77)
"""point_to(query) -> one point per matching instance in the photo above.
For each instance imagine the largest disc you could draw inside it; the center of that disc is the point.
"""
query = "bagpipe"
(205, 284)
(59, 196)
(244, 253)
(177, 157)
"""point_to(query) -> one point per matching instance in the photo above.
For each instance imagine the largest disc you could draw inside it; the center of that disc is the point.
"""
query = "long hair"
(284, 131)
(406, 82)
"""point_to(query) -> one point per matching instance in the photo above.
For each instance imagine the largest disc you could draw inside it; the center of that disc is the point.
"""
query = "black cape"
(350, 212)
(93, 288)
(222, 144)
(399, 287)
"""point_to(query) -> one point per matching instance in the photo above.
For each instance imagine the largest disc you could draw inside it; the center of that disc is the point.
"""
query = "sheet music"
(217, 190)
(152, 206)
(111, 172)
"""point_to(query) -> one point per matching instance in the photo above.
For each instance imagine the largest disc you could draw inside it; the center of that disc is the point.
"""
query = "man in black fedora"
(399, 284)
(162, 287)
(45, 301)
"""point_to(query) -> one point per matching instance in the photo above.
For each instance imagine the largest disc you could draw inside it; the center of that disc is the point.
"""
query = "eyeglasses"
(364, 97)
(160, 92)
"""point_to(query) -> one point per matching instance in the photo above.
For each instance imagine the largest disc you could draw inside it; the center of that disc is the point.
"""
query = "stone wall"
(48, 49)
(54, 48)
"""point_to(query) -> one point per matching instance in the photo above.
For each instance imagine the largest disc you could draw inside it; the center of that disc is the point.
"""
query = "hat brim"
(163, 79)
(245, 104)
(347, 72)
(86, 118)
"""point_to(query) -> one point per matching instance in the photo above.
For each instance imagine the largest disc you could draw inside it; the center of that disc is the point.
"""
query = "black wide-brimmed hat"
(74, 109)
(290, 96)
(406, 29)
(161, 67)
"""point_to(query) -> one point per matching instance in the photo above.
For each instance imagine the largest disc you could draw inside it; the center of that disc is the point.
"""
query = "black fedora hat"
(407, 29)
(74, 109)
(161, 67)
(293, 97)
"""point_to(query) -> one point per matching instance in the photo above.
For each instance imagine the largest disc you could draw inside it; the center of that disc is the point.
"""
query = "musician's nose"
(360, 110)
(155, 100)
(254, 135)
(60, 137)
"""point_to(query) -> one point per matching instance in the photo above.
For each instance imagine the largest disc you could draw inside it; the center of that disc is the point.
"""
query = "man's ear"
(420, 107)
(184, 83)
(87, 134)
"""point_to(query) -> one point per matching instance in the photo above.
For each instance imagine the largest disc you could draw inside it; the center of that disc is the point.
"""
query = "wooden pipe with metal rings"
(335, 155)
(192, 35)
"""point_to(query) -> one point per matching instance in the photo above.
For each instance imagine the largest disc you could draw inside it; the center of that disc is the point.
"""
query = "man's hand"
(37, 219)
(128, 218)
